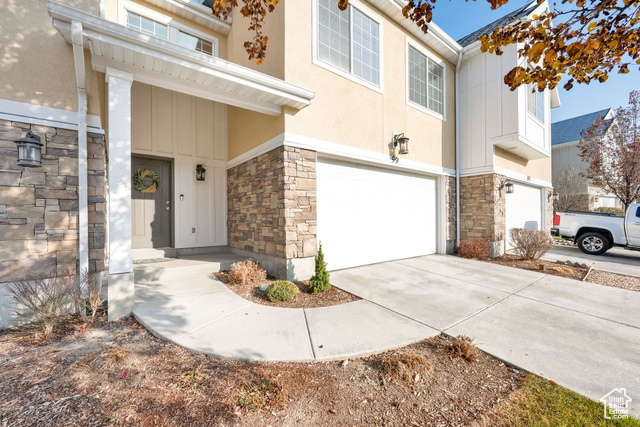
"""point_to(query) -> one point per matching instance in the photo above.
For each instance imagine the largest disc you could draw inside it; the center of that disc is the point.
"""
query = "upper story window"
(194, 42)
(536, 103)
(349, 40)
(164, 28)
(425, 81)
(147, 26)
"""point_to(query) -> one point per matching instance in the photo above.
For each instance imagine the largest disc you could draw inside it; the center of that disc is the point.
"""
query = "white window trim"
(348, 75)
(534, 116)
(173, 26)
(412, 44)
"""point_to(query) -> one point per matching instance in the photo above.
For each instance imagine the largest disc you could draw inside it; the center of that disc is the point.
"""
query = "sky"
(459, 18)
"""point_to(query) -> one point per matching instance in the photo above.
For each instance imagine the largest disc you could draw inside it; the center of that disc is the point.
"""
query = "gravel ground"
(614, 280)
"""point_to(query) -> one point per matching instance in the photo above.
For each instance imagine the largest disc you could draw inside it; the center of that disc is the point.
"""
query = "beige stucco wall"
(273, 28)
(349, 113)
(539, 169)
(36, 63)
(248, 129)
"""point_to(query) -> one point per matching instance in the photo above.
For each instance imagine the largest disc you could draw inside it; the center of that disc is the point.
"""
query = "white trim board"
(340, 151)
(46, 116)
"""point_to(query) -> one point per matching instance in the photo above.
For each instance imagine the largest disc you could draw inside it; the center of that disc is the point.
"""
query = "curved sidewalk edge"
(206, 317)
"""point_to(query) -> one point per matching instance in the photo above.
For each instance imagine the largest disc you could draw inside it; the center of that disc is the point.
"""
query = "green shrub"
(282, 290)
(614, 211)
(320, 281)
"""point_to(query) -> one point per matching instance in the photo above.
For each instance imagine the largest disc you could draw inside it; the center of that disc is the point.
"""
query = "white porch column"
(120, 286)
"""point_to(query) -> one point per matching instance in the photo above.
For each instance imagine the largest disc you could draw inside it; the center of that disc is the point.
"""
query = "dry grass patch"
(261, 394)
(405, 366)
(462, 346)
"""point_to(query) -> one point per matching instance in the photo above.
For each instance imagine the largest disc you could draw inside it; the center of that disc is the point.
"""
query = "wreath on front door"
(139, 181)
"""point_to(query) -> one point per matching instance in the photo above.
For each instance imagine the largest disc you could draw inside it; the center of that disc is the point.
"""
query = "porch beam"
(120, 282)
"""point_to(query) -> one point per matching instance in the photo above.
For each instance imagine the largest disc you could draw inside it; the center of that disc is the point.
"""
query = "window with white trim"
(194, 42)
(426, 81)
(171, 32)
(147, 26)
(349, 40)
(536, 103)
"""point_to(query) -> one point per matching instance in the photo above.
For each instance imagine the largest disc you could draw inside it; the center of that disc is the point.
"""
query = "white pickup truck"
(596, 233)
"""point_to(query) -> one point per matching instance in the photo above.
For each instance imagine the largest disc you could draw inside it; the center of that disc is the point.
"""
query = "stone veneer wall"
(271, 203)
(550, 210)
(39, 206)
(483, 210)
(451, 213)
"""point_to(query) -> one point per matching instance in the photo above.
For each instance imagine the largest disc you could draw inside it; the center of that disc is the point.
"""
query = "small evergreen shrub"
(320, 280)
(530, 244)
(282, 290)
(247, 272)
(614, 211)
(473, 248)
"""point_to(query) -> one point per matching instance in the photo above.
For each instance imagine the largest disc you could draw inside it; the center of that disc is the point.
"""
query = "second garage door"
(523, 210)
(368, 214)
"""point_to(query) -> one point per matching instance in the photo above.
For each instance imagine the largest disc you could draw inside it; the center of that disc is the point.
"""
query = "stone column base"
(120, 295)
(294, 269)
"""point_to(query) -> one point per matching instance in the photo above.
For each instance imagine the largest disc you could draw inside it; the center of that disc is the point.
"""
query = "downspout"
(83, 214)
(460, 55)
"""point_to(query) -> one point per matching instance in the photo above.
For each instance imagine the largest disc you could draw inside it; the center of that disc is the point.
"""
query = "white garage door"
(368, 215)
(523, 209)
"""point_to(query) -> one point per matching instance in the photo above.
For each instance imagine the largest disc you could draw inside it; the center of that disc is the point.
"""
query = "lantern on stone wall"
(30, 151)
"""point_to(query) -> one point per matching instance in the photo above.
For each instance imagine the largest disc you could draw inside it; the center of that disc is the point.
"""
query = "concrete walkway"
(581, 335)
(180, 301)
(615, 260)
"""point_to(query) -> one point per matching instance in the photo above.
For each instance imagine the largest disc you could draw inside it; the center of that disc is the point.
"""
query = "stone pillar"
(120, 283)
(272, 211)
(482, 214)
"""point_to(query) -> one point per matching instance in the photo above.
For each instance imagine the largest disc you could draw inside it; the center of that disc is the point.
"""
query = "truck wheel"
(593, 243)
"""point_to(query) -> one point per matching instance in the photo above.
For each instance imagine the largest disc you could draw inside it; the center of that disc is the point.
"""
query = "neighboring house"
(266, 160)
(565, 137)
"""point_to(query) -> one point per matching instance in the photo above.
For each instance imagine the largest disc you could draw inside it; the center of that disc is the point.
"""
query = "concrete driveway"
(583, 336)
(616, 260)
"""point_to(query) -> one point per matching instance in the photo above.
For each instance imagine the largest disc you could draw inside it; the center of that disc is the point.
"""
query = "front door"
(150, 203)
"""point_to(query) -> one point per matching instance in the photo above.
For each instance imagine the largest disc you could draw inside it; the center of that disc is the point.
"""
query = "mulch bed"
(541, 266)
(119, 374)
(598, 277)
(304, 299)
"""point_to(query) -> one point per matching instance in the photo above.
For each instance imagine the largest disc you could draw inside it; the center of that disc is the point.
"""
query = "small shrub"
(462, 346)
(262, 394)
(247, 272)
(281, 290)
(405, 366)
(474, 248)
(87, 292)
(43, 300)
(613, 211)
(320, 280)
(530, 244)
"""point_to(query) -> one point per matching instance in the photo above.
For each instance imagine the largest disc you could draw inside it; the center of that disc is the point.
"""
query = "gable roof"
(569, 130)
(500, 22)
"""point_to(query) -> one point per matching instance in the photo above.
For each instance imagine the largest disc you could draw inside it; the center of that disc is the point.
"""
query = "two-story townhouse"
(160, 136)
(566, 135)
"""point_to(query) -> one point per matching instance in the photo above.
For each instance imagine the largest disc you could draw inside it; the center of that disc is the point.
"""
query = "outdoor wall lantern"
(200, 171)
(508, 186)
(30, 151)
(556, 197)
(399, 145)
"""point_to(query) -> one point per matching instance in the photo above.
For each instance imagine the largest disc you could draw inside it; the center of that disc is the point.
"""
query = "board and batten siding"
(190, 131)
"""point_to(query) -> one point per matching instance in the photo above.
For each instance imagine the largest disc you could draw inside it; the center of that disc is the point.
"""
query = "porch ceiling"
(160, 63)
